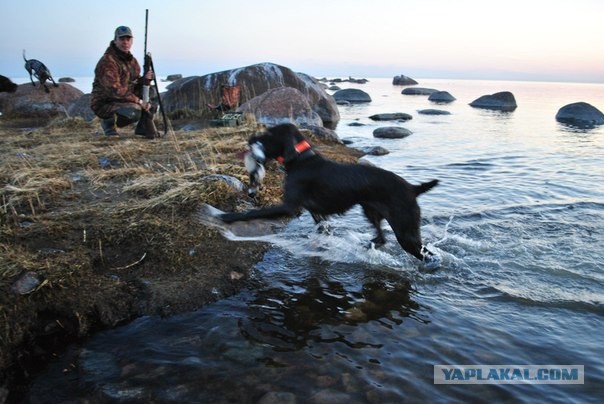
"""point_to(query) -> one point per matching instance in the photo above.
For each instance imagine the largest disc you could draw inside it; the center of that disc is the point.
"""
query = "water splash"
(302, 238)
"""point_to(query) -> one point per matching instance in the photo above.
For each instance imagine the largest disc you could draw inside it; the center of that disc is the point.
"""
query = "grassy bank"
(96, 231)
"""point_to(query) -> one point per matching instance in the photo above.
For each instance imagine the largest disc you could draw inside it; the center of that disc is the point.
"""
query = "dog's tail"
(424, 187)
(24, 58)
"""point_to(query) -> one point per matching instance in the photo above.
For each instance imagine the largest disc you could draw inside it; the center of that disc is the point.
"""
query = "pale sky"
(549, 40)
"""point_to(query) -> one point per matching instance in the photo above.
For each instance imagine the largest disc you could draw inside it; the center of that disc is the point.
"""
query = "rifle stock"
(148, 65)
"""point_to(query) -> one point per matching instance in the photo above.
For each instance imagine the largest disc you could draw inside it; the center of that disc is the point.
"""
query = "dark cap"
(123, 31)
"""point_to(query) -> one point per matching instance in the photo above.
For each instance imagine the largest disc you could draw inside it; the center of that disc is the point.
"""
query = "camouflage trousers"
(106, 111)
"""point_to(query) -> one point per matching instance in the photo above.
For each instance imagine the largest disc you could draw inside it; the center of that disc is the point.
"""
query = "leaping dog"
(39, 70)
(324, 187)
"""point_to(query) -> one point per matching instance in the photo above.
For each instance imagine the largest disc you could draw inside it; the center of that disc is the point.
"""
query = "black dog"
(324, 187)
(37, 69)
(6, 85)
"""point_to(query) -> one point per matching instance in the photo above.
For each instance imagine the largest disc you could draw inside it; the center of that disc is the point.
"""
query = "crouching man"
(117, 89)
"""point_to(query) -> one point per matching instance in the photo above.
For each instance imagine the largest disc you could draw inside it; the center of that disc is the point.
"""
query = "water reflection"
(294, 331)
(291, 318)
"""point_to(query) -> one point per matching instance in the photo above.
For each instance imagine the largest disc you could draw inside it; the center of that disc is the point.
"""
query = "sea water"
(517, 222)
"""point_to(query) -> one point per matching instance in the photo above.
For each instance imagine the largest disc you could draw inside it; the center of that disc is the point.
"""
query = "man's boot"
(146, 127)
(108, 125)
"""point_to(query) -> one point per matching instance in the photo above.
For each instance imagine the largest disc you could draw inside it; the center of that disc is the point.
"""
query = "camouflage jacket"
(117, 79)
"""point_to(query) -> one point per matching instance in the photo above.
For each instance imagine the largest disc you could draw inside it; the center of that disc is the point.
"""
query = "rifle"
(148, 65)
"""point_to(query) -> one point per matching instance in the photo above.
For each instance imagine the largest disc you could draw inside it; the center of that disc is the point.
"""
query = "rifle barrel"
(146, 24)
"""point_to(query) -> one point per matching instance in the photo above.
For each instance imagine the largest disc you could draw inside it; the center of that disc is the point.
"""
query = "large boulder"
(502, 101)
(441, 97)
(323, 133)
(351, 95)
(81, 108)
(391, 132)
(281, 105)
(403, 80)
(196, 92)
(418, 91)
(33, 102)
(580, 114)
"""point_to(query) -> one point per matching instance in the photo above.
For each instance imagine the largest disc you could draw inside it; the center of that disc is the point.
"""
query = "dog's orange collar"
(300, 148)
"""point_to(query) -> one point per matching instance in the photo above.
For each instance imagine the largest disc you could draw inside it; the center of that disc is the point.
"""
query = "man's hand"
(149, 75)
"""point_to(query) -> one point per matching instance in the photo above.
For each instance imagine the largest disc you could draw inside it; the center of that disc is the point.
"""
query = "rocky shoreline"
(97, 232)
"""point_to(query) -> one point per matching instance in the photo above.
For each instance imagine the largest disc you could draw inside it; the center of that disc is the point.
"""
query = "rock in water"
(391, 132)
(580, 114)
(502, 101)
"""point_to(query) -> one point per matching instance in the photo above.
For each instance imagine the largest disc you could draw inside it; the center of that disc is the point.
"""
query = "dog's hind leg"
(375, 218)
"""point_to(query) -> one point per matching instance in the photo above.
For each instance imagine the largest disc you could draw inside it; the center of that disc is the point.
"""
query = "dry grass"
(108, 226)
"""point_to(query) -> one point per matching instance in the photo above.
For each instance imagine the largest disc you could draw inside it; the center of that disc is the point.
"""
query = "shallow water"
(517, 223)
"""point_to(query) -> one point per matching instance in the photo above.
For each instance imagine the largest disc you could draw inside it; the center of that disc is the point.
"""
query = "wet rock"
(278, 397)
(243, 355)
(433, 112)
(391, 132)
(502, 101)
(27, 283)
(418, 91)
(329, 396)
(580, 114)
(352, 95)
(326, 381)
(394, 116)
(403, 80)
(334, 88)
(350, 383)
(356, 124)
(66, 80)
(374, 151)
(441, 97)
